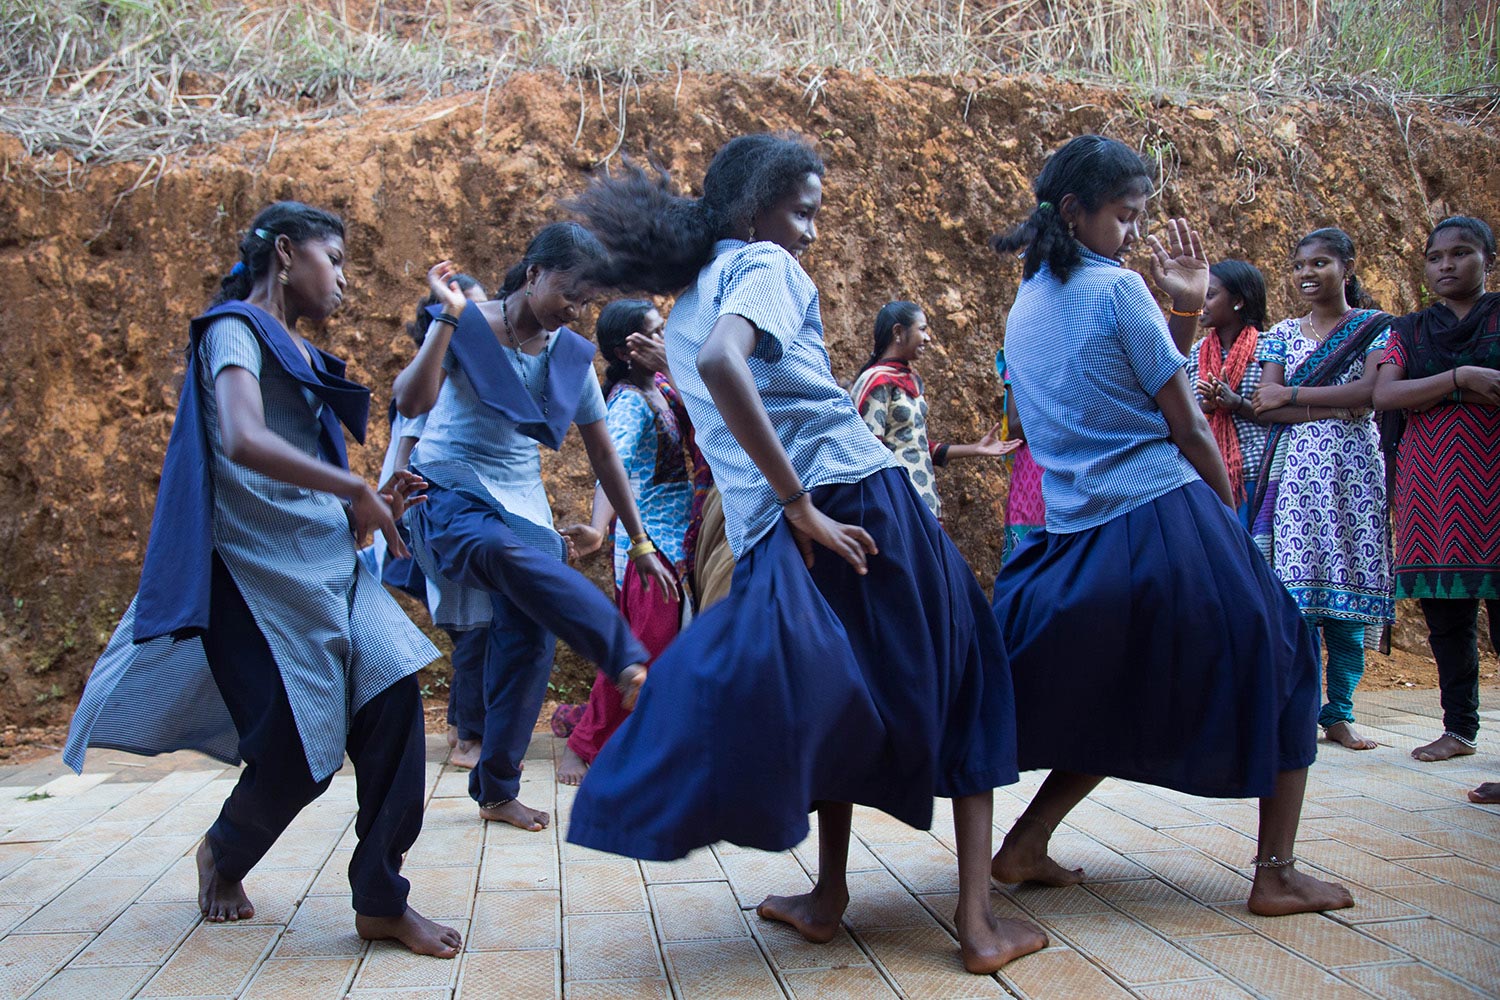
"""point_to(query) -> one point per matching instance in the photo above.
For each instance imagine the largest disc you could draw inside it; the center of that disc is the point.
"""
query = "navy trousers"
(534, 596)
(385, 743)
(466, 689)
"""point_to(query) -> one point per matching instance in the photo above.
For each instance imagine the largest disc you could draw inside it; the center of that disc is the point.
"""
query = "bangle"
(1179, 312)
(639, 549)
(1456, 396)
(1455, 380)
(1294, 394)
(446, 317)
(1309, 412)
(788, 501)
(634, 539)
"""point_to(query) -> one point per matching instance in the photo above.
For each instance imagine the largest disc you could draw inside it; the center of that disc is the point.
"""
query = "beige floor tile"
(43, 879)
(613, 886)
(924, 962)
(505, 835)
(696, 911)
(276, 893)
(445, 894)
(1218, 988)
(923, 866)
(180, 881)
(1224, 845)
(1456, 906)
(514, 975)
(1464, 843)
(1152, 810)
(1345, 862)
(144, 934)
(97, 839)
(506, 921)
(509, 867)
(699, 866)
(1099, 863)
(453, 784)
(858, 983)
(878, 902)
(87, 905)
(333, 877)
(860, 857)
(1376, 840)
(720, 970)
(1203, 879)
(1164, 909)
(12, 914)
(1120, 833)
(618, 989)
(1050, 901)
(1466, 956)
(301, 979)
(216, 959)
(1269, 969)
(13, 856)
(610, 946)
(1320, 939)
(1382, 815)
(944, 905)
(307, 849)
(875, 827)
(754, 876)
(146, 857)
(790, 951)
(455, 812)
(1059, 972)
(1478, 878)
(447, 845)
(1373, 904)
(1130, 951)
(1410, 981)
(103, 983)
(26, 961)
(389, 966)
(323, 927)
(1478, 819)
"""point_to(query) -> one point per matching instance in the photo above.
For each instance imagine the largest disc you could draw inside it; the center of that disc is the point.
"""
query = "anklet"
(1274, 862)
(496, 804)
(1471, 744)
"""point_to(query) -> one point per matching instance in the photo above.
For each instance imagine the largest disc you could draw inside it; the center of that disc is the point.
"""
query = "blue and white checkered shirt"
(1090, 356)
(821, 431)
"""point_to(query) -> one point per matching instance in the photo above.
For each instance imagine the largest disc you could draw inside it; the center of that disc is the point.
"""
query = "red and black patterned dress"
(1448, 461)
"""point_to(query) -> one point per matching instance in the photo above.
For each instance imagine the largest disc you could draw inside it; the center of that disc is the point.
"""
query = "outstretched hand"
(441, 278)
(372, 511)
(403, 490)
(1180, 267)
(583, 539)
(994, 446)
(849, 541)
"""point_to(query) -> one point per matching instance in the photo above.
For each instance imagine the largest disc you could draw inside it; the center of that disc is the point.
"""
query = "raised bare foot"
(987, 944)
(1442, 748)
(1487, 794)
(413, 930)
(1344, 735)
(629, 682)
(465, 754)
(571, 769)
(814, 915)
(1023, 857)
(1280, 891)
(219, 899)
(516, 814)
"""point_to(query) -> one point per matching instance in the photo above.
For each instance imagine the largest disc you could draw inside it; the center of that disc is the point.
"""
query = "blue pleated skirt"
(813, 685)
(1159, 647)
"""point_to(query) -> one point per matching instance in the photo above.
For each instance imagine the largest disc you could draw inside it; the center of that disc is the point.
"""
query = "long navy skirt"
(813, 685)
(1159, 647)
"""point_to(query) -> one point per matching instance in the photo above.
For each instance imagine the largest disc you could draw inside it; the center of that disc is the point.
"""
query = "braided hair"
(292, 219)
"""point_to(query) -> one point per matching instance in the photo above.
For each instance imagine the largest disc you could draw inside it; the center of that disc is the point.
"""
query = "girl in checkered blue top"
(1149, 639)
(854, 660)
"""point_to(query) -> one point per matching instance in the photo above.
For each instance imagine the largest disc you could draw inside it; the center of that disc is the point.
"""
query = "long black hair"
(292, 219)
(559, 246)
(1095, 170)
(658, 240)
(616, 322)
(1477, 228)
(1341, 245)
(417, 328)
(1244, 281)
(891, 315)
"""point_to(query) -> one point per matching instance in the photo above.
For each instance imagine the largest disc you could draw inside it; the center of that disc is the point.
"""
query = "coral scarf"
(1230, 370)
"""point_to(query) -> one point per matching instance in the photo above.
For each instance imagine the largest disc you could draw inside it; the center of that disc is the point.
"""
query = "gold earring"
(285, 277)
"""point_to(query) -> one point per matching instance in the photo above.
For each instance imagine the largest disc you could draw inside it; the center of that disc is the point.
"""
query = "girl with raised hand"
(1319, 512)
(499, 378)
(854, 659)
(1148, 639)
(1224, 373)
(1443, 369)
(257, 632)
(888, 395)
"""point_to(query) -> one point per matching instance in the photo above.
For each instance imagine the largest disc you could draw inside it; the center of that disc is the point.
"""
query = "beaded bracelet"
(1179, 312)
(788, 501)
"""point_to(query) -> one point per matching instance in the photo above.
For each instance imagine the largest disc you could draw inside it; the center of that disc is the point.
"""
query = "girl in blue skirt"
(1148, 638)
(854, 659)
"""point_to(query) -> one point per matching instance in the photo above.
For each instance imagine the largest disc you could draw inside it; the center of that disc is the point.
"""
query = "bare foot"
(1023, 857)
(413, 930)
(465, 754)
(1487, 794)
(514, 813)
(630, 681)
(1441, 748)
(1280, 891)
(571, 769)
(815, 915)
(219, 899)
(987, 944)
(1344, 735)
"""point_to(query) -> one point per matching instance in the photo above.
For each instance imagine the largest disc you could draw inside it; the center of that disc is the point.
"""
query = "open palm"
(1180, 267)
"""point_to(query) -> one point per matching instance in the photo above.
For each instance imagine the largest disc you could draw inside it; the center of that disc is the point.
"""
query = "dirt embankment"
(99, 281)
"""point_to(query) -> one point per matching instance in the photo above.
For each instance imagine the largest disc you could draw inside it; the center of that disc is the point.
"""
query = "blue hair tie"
(238, 268)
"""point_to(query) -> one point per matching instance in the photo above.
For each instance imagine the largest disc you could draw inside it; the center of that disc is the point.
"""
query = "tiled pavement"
(97, 895)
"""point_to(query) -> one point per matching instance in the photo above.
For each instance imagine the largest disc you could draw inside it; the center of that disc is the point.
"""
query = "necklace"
(520, 369)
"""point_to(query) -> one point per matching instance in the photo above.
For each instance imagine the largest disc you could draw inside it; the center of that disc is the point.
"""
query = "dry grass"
(110, 80)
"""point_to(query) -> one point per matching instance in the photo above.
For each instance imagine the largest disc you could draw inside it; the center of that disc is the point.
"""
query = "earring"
(1072, 231)
(285, 277)
(1236, 308)
(752, 232)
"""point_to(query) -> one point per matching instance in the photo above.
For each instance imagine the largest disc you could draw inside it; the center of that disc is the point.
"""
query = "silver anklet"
(1471, 744)
(1274, 862)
